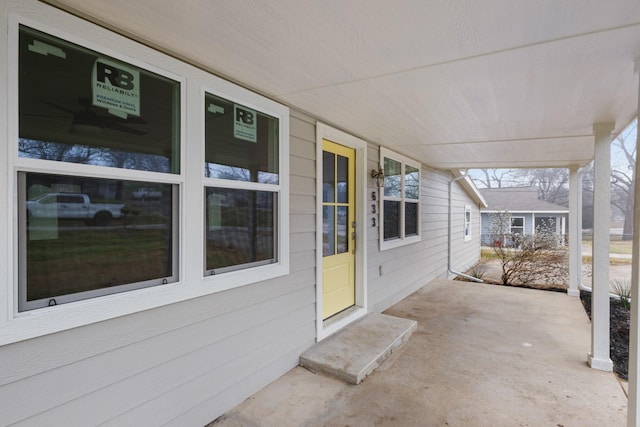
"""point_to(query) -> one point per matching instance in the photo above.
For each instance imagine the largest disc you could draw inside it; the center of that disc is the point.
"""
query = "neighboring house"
(527, 212)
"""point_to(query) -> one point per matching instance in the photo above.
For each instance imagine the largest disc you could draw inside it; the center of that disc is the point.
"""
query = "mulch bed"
(618, 332)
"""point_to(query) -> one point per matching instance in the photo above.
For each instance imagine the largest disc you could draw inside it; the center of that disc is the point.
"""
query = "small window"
(517, 225)
(243, 185)
(400, 200)
(467, 223)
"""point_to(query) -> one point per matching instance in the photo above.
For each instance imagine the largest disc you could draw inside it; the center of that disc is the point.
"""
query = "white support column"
(575, 234)
(579, 226)
(633, 402)
(599, 356)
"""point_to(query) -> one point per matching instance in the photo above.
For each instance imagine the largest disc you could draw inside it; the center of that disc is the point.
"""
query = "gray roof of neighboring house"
(517, 199)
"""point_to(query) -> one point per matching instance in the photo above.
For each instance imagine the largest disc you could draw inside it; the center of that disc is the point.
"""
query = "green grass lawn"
(620, 247)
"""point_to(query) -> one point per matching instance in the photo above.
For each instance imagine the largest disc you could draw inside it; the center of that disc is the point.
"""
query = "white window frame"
(468, 219)
(249, 274)
(402, 239)
(524, 223)
(17, 326)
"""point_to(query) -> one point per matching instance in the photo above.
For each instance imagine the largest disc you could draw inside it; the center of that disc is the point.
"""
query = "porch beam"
(633, 401)
(599, 357)
(575, 233)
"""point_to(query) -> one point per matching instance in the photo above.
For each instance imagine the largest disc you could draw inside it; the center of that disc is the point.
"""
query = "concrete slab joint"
(356, 351)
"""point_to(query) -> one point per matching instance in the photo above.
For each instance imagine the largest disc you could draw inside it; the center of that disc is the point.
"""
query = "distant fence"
(587, 235)
(615, 235)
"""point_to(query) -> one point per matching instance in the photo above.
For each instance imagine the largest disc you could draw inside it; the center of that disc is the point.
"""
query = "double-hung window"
(94, 131)
(516, 225)
(242, 186)
(400, 200)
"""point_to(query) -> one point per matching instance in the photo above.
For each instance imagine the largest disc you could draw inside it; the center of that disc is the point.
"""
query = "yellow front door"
(338, 228)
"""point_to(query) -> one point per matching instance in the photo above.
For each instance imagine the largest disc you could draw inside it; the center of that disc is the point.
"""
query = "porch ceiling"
(455, 84)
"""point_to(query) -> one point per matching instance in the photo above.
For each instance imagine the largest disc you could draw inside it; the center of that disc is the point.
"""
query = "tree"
(622, 176)
(552, 183)
(494, 178)
(60, 152)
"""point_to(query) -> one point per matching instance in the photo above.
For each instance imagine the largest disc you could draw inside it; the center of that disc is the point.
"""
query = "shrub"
(622, 288)
(478, 271)
(525, 257)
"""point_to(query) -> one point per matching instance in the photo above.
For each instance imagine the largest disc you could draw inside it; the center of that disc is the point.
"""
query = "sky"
(618, 159)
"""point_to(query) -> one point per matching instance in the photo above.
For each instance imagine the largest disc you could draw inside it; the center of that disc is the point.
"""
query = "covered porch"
(482, 355)
(453, 86)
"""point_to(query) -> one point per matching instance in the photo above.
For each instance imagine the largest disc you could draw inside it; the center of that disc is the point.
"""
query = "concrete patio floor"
(483, 355)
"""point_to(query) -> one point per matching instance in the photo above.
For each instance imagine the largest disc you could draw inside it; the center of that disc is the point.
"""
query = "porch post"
(575, 235)
(599, 356)
(633, 401)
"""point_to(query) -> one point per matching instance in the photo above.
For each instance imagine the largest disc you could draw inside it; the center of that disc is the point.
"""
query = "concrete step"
(354, 352)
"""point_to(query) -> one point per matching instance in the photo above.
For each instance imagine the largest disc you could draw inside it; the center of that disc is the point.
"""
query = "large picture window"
(84, 235)
(241, 195)
(400, 200)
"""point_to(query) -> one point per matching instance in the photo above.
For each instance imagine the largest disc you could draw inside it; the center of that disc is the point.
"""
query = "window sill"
(390, 244)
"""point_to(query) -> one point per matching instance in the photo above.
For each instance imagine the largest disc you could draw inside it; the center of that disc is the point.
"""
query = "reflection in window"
(342, 231)
(411, 182)
(79, 106)
(410, 219)
(392, 178)
(335, 199)
(240, 228)
(328, 231)
(342, 170)
(328, 177)
(84, 237)
(241, 144)
(391, 220)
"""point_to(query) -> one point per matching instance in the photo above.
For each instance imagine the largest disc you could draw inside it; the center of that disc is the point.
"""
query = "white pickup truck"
(73, 206)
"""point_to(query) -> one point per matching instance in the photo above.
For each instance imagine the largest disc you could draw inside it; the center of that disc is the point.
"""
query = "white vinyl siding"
(209, 353)
(406, 269)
